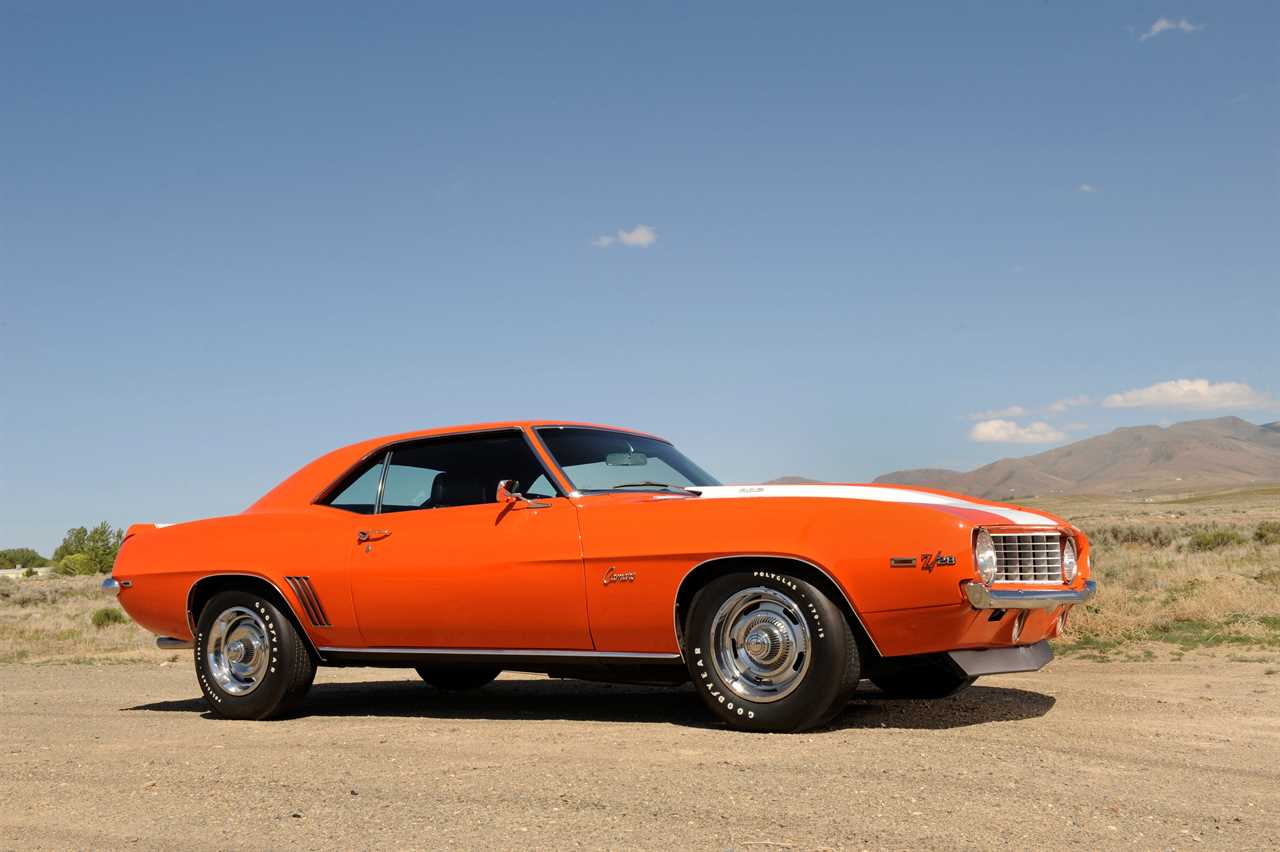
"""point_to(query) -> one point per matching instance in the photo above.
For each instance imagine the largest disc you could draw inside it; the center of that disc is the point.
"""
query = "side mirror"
(507, 492)
(508, 495)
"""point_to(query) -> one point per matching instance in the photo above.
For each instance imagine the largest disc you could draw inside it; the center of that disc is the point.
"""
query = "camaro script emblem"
(613, 575)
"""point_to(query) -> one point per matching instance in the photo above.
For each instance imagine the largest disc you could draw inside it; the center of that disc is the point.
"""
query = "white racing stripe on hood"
(873, 494)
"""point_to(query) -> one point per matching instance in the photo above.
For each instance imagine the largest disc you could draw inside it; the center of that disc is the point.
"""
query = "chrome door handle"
(372, 535)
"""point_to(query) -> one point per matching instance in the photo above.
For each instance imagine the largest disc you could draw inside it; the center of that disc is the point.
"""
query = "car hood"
(978, 511)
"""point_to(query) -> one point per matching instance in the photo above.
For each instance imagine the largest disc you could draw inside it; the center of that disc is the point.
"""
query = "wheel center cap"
(758, 644)
(236, 651)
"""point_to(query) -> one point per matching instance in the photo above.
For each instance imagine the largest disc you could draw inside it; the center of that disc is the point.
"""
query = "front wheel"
(769, 651)
(251, 662)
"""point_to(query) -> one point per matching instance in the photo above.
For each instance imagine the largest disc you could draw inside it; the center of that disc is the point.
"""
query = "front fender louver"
(306, 595)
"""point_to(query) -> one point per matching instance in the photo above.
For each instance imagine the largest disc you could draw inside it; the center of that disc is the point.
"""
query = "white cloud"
(1163, 25)
(641, 236)
(1086, 187)
(1070, 402)
(1192, 393)
(1011, 411)
(1009, 432)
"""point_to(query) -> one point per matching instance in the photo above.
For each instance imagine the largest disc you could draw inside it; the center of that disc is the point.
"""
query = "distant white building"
(20, 572)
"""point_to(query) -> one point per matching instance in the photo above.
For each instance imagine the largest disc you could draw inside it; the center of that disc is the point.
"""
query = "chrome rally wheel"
(769, 651)
(251, 661)
(238, 650)
(761, 644)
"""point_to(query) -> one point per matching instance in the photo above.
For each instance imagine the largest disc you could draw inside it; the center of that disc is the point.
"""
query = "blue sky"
(833, 241)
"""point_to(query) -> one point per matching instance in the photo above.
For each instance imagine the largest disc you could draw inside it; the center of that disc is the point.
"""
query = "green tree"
(24, 556)
(72, 542)
(75, 563)
(98, 545)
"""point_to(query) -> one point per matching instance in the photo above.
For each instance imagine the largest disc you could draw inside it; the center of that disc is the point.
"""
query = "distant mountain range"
(1222, 452)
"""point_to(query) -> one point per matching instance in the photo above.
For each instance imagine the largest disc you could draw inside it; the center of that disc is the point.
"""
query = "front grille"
(1028, 557)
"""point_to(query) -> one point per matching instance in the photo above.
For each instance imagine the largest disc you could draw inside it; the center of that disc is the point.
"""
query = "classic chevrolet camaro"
(587, 551)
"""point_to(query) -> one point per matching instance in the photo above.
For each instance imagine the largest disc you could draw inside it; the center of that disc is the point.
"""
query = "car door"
(442, 564)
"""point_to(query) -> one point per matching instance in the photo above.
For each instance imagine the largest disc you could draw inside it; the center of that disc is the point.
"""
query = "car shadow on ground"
(575, 700)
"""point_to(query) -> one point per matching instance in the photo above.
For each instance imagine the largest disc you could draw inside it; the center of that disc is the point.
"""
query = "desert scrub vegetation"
(59, 619)
(108, 616)
(1268, 532)
(1188, 585)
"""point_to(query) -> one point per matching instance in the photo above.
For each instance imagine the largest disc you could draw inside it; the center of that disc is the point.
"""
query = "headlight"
(984, 556)
(1069, 567)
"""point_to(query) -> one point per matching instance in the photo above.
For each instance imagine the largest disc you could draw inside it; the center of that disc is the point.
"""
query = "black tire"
(458, 678)
(934, 677)
(280, 681)
(808, 692)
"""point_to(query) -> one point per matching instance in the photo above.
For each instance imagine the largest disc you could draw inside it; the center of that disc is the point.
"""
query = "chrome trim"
(168, 643)
(510, 652)
(1024, 658)
(382, 482)
(675, 615)
(191, 617)
(110, 586)
(981, 597)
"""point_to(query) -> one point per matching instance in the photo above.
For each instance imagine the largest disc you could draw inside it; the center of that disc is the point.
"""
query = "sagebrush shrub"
(1213, 540)
(108, 615)
(1268, 532)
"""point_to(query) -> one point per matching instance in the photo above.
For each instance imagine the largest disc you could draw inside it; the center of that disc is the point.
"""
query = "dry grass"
(48, 620)
(1186, 570)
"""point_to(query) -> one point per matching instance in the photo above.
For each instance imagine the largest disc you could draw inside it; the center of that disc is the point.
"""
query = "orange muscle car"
(587, 551)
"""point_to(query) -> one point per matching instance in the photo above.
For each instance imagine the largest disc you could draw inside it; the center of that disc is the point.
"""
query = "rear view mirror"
(626, 459)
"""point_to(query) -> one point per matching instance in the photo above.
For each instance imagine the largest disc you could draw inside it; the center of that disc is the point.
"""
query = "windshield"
(600, 460)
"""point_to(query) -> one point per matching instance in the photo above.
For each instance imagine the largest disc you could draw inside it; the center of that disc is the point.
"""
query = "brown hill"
(1223, 452)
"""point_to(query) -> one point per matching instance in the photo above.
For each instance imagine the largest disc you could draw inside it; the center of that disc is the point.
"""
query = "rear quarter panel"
(163, 564)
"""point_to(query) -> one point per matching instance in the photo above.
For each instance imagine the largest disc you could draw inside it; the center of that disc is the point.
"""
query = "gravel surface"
(1143, 755)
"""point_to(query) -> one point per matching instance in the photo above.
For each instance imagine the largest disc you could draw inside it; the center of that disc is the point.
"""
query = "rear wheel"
(457, 678)
(935, 677)
(250, 660)
(770, 652)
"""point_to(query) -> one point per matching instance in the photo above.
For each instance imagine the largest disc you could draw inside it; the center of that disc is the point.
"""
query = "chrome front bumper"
(982, 597)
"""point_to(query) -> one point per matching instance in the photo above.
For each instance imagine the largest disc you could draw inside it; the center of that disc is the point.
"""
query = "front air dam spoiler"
(1023, 658)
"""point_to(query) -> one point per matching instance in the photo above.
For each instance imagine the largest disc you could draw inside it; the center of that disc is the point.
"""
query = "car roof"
(307, 483)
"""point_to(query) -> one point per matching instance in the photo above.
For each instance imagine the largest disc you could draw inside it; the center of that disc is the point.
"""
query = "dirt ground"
(1181, 754)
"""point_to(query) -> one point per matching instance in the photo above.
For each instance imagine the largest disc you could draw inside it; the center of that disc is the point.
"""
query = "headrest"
(458, 489)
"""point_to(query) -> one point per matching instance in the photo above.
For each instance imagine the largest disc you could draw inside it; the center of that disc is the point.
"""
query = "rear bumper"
(1023, 658)
(982, 597)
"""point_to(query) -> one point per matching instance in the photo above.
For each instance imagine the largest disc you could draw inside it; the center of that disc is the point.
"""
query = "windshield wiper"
(679, 488)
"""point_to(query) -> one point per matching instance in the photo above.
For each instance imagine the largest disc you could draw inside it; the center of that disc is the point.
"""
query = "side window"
(407, 487)
(541, 487)
(461, 470)
(361, 491)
